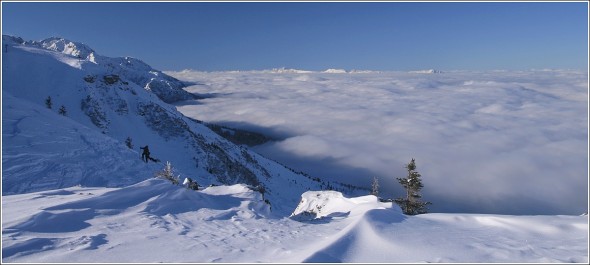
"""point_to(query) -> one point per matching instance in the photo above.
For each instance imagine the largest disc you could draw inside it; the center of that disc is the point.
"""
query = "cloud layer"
(488, 142)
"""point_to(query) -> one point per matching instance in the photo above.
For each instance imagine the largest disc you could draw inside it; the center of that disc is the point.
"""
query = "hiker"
(146, 153)
(145, 156)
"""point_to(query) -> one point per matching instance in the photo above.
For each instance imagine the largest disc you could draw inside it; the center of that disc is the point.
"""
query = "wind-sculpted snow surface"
(156, 221)
(320, 205)
(512, 142)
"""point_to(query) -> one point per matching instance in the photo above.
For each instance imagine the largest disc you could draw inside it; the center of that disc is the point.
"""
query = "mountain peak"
(428, 71)
(113, 103)
(167, 88)
(65, 46)
(12, 40)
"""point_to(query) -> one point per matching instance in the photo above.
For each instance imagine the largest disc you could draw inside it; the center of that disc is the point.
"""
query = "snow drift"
(332, 204)
(156, 221)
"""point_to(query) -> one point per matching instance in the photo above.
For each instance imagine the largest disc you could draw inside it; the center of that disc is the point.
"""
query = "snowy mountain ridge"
(65, 46)
(284, 70)
(429, 71)
(167, 88)
(110, 101)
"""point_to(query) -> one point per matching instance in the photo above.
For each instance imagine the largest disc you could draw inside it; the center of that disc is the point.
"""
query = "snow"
(73, 192)
(156, 221)
(107, 102)
(335, 71)
(44, 150)
(283, 70)
(429, 71)
(65, 46)
(330, 204)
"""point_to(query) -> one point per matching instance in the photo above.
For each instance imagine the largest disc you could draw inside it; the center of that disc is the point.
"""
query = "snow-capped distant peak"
(284, 70)
(65, 46)
(335, 71)
(429, 71)
(354, 71)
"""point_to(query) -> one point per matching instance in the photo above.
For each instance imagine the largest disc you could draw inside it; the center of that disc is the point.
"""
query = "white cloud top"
(495, 141)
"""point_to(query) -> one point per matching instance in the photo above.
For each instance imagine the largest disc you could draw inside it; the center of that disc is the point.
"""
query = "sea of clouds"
(508, 142)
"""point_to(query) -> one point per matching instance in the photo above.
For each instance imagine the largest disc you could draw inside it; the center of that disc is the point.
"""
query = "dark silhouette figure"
(145, 156)
(146, 153)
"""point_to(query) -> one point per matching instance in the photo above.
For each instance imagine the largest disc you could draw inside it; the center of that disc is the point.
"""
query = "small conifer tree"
(62, 110)
(375, 187)
(48, 102)
(411, 204)
(168, 173)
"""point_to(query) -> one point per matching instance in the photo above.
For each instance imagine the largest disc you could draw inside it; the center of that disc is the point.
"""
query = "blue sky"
(317, 36)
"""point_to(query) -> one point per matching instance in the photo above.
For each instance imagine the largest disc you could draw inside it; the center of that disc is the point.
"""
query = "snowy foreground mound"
(155, 221)
(322, 205)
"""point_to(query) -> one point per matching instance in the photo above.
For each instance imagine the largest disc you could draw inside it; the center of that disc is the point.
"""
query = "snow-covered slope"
(62, 45)
(44, 150)
(108, 100)
(167, 88)
(155, 221)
